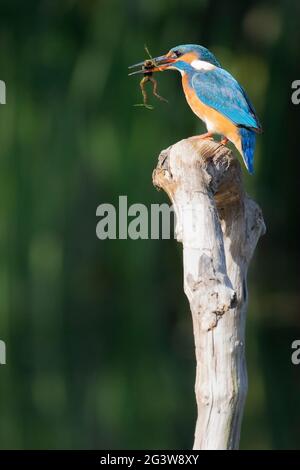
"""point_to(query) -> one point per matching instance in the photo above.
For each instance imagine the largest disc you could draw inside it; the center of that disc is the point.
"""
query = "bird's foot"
(206, 136)
(224, 141)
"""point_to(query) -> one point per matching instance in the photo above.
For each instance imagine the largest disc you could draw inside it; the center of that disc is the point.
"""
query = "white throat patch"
(202, 65)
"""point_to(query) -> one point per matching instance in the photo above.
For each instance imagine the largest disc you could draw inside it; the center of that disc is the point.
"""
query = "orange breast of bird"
(215, 121)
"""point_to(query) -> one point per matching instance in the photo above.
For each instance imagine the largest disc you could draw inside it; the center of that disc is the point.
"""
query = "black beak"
(159, 64)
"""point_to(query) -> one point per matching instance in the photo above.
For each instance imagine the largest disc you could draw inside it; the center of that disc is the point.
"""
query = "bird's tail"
(248, 147)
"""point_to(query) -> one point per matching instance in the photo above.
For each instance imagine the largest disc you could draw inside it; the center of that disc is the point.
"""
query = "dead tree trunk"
(219, 226)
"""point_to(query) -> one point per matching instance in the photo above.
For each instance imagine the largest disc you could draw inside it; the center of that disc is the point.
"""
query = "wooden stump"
(219, 226)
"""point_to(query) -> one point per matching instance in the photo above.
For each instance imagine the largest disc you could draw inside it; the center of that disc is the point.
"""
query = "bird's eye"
(177, 53)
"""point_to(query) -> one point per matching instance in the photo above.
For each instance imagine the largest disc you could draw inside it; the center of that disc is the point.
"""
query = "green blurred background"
(99, 340)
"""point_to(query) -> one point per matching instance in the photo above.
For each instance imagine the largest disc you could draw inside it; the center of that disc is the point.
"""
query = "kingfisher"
(215, 96)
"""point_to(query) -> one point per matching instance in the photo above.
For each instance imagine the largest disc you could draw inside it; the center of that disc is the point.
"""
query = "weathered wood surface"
(219, 226)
